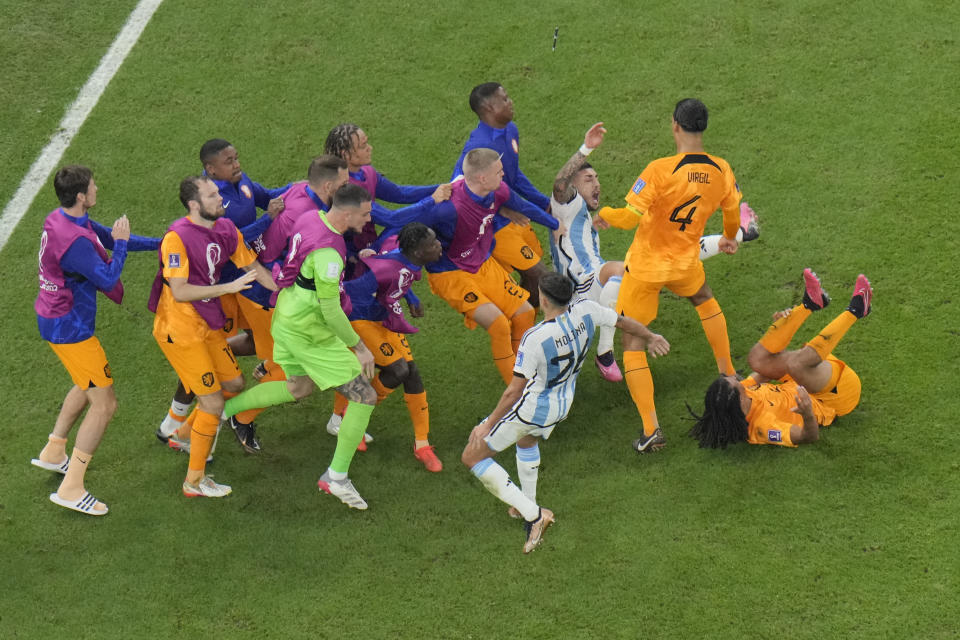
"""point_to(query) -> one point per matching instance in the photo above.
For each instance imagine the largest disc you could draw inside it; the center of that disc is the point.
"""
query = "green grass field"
(839, 120)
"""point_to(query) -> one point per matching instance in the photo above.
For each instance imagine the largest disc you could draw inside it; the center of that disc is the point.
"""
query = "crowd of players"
(313, 287)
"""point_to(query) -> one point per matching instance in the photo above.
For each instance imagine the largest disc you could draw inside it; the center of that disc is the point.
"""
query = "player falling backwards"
(576, 253)
(540, 395)
(790, 394)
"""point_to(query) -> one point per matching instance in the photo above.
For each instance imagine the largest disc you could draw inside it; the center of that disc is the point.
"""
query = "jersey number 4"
(688, 217)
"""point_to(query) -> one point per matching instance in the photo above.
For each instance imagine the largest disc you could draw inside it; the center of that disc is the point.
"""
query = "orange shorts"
(845, 395)
(517, 247)
(466, 291)
(85, 362)
(640, 299)
(201, 364)
(255, 317)
(387, 346)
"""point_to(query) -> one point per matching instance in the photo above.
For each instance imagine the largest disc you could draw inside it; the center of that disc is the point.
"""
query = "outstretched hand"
(121, 229)
(594, 136)
(442, 192)
(275, 207)
(657, 345)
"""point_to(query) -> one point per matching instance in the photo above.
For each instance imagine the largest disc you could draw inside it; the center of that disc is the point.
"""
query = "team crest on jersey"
(207, 379)
(775, 435)
(386, 349)
(470, 297)
(106, 370)
(246, 191)
(516, 147)
(526, 252)
(639, 185)
(173, 261)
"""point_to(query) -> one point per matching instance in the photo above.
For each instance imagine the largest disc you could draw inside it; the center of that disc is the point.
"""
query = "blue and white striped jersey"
(550, 357)
(578, 254)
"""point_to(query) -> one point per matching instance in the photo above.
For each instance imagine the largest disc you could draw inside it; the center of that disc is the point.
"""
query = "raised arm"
(563, 190)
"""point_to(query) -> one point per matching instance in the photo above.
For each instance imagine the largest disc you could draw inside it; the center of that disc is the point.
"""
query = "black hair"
(211, 148)
(350, 195)
(325, 168)
(70, 181)
(340, 139)
(411, 235)
(481, 93)
(190, 189)
(691, 115)
(557, 287)
(722, 422)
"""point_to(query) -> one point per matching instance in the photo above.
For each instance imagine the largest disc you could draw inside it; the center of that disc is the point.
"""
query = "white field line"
(76, 114)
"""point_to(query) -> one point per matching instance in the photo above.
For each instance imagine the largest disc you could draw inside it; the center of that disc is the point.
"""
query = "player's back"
(677, 195)
(551, 355)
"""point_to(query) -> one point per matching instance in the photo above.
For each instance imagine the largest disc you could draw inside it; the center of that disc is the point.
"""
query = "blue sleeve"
(442, 218)
(412, 298)
(525, 188)
(398, 217)
(136, 243)
(253, 231)
(401, 194)
(530, 210)
(262, 196)
(82, 258)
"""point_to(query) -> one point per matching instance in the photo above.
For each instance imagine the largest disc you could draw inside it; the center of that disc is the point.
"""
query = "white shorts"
(506, 433)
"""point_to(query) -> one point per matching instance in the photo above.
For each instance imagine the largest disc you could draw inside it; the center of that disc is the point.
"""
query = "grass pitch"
(838, 121)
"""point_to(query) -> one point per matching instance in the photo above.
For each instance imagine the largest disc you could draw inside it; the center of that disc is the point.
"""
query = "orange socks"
(339, 403)
(274, 374)
(519, 324)
(419, 414)
(55, 450)
(715, 327)
(640, 384)
(781, 332)
(71, 487)
(501, 347)
(827, 341)
(204, 431)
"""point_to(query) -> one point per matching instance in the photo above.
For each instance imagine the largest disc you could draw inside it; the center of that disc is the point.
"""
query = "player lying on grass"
(540, 395)
(576, 253)
(810, 387)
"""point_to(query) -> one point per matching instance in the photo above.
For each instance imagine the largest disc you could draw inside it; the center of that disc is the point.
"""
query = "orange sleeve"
(624, 218)
(174, 256)
(731, 206)
(244, 256)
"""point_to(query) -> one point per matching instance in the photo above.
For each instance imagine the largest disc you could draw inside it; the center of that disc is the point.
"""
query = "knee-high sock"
(608, 298)
(175, 417)
(710, 245)
(274, 374)
(640, 383)
(519, 324)
(419, 414)
(265, 394)
(382, 390)
(354, 424)
(497, 481)
(828, 338)
(204, 431)
(781, 332)
(528, 467)
(501, 348)
(715, 327)
(339, 403)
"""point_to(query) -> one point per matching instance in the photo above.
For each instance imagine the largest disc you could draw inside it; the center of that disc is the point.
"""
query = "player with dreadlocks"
(783, 411)
(348, 141)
